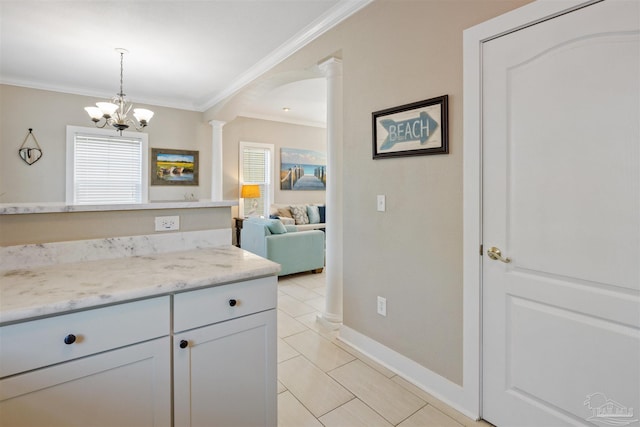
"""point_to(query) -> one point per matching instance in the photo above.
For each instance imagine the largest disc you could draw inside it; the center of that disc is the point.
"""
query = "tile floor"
(324, 382)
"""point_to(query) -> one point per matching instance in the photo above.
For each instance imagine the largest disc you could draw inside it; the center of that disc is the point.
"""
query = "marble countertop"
(32, 208)
(57, 289)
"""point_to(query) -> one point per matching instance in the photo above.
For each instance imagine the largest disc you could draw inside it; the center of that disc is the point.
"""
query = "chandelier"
(115, 112)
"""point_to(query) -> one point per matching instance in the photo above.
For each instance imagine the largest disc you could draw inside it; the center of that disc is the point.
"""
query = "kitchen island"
(175, 338)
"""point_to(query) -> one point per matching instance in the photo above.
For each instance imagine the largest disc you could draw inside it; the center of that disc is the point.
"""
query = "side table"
(238, 228)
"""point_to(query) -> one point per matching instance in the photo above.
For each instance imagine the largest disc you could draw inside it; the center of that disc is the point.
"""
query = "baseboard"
(436, 385)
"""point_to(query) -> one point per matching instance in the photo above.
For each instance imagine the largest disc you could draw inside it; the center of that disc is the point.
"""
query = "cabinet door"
(130, 386)
(226, 374)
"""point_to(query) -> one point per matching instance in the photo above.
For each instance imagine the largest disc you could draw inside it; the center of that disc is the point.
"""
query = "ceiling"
(183, 54)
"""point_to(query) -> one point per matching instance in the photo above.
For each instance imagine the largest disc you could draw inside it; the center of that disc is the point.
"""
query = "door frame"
(473, 39)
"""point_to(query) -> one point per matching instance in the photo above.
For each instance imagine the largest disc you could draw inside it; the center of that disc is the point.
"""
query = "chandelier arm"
(96, 121)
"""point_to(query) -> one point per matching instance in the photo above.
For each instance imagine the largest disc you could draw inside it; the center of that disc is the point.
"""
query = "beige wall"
(48, 113)
(281, 135)
(68, 226)
(394, 53)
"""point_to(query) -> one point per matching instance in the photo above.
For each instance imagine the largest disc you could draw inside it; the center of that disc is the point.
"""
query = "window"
(256, 167)
(106, 168)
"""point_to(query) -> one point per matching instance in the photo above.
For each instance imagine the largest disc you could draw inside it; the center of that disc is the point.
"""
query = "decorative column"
(332, 316)
(216, 160)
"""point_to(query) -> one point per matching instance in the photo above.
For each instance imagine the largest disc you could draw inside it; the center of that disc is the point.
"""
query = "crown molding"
(96, 94)
(332, 18)
(290, 121)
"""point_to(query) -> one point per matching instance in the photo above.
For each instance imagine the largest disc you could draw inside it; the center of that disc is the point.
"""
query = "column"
(216, 160)
(332, 316)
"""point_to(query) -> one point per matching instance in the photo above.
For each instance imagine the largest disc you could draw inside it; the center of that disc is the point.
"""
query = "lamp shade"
(94, 112)
(107, 108)
(250, 191)
(142, 115)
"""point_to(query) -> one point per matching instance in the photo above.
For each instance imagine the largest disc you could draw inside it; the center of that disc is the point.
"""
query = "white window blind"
(256, 168)
(108, 169)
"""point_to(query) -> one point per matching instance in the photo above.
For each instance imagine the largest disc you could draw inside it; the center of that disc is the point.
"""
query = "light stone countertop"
(56, 289)
(55, 207)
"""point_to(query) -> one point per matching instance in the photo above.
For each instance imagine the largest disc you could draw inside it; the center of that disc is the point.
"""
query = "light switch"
(382, 204)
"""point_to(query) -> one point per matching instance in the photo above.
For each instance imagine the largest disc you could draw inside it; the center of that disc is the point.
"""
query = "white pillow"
(299, 213)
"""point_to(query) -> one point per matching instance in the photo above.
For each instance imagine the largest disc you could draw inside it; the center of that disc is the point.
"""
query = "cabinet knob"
(184, 343)
(233, 302)
(69, 339)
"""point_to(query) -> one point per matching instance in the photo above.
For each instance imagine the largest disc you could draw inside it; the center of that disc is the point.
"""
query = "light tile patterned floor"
(324, 382)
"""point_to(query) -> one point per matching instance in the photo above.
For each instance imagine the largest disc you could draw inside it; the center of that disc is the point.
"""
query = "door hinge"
(481, 249)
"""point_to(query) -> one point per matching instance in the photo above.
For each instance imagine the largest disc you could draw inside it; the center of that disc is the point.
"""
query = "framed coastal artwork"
(419, 128)
(302, 170)
(174, 167)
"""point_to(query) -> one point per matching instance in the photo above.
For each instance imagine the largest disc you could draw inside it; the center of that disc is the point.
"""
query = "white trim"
(473, 38)
(69, 172)
(282, 119)
(216, 159)
(439, 387)
(333, 17)
(101, 95)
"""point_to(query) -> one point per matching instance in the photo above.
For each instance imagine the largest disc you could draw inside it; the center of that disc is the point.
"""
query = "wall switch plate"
(382, 203)
(167, 223)
(382, 306)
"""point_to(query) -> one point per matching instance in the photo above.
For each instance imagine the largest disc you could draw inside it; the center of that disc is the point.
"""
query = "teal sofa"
(296, 251)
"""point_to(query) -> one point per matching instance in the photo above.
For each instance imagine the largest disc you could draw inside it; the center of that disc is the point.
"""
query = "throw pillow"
(286, 212)
(322, 212)
(276, 227)
(299, 213)
(287, 221)
(291, 228)
(314, 214)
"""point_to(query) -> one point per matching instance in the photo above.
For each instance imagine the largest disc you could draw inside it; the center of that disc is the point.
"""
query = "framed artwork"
(419, 128)
(302, 169)
(174, 167)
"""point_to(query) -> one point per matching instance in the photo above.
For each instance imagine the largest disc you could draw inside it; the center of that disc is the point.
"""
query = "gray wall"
(397, 52)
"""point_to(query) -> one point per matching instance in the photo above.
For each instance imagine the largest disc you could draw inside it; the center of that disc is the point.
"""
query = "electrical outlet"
(382, 306)
(167, 223)
(382, 203)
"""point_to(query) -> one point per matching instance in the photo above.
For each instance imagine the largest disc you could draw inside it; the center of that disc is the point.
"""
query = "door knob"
(495, 254)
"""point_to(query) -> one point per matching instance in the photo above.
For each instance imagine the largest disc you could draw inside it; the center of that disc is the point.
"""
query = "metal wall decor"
(28, 152)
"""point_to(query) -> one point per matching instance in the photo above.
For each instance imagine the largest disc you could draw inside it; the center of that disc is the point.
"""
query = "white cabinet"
(125, 387)
(104, 367)
(225, 373)
(112, 366)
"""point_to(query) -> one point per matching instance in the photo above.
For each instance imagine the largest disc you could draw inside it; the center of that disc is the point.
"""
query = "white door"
(561, 200)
